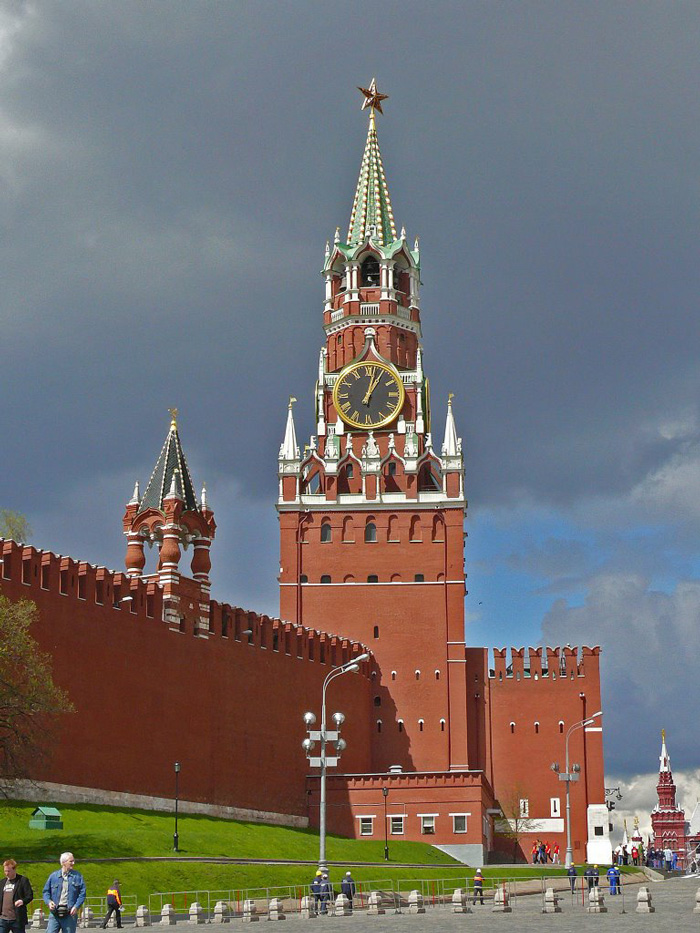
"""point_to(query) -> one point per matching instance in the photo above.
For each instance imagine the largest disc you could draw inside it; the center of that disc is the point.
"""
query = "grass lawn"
(93, 832)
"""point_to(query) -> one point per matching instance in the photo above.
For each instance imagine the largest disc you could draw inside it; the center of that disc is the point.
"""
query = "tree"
(29, 699)
(516, 822)
(14, 525)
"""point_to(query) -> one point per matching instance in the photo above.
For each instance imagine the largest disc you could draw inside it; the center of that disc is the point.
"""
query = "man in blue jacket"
(64, 894)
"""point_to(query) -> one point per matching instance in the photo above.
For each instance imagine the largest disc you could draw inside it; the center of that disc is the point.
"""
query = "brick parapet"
(563, 663)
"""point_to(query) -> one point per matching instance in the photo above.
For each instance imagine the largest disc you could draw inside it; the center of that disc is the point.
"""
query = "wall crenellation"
(563, 663)
(44, 573)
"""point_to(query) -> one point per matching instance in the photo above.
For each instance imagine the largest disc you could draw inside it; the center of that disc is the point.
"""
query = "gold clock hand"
(370, 390)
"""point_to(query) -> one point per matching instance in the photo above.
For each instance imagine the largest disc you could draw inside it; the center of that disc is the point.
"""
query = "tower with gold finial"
(667, 818)
(371, 515)
(169, 517)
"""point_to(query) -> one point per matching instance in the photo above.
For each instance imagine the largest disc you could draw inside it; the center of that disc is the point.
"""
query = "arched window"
(393, 529)
(416, 534)
(537, 728)
(377, 701)
(442, 725)
(349, 471)
(393, 675)
(420, 725)
(419, 577)
(370, 533)
(339, 340)
(369, 272)
(379, 725)
(391, 468)
(348, 529)
(376, 631)
(326, 533)
(437, 675)
(417, 675)
(561, 726)
(372, 578)
(400, 725)
(326, 578)
(438, 529)
(512, 727)
(303, 578)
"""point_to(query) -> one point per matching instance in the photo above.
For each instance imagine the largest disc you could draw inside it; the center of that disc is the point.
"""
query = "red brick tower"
(667, 819)
(371, 516)
(170, 517)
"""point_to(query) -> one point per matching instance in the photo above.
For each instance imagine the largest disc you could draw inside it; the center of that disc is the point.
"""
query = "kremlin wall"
(445, 744)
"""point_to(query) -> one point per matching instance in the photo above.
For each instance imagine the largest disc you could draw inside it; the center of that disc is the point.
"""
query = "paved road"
(674, 901)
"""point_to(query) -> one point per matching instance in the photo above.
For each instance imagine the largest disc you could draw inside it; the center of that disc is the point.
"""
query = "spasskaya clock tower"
(371, 514)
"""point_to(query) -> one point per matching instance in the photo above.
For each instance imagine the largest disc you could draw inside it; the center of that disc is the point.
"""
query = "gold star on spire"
(173, 418)
(373, 98)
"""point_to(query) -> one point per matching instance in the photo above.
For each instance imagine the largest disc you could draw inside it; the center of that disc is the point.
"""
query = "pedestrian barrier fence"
(98, 905)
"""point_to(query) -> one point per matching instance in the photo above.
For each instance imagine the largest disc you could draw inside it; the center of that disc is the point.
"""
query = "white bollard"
(308, 907)
(143, 916)
(459, 902)
(551, 902)
(196, 914)
(501, 900)
(221, 912)
(374, 904)
(644, 905)
(275, 909)
(38, 922)
(250, 911)
(415, 903)
(596, 901)
(87, 918)
(342, 907)
(167, 915)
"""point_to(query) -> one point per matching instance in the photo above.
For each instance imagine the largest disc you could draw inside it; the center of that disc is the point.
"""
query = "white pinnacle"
(450, 447)
(664, 756)
(290, 449)
(136, 496)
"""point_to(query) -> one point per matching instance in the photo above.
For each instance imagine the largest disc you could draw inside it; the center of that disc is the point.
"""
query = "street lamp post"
(572, 774)
(176, 838)
(385, 792)
(324, 736)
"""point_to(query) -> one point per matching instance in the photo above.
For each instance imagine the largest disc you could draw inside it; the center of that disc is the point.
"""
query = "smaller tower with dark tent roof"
(169, 516)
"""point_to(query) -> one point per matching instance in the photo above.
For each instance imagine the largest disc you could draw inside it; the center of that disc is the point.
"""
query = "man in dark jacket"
(573, 875)
(16, 894)
(114, 905)
(347, 887)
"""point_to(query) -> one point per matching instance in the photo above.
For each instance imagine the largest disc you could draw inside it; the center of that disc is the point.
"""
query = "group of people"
(543, 852)
(592, 876)
(324, 893)
(626, 856)
(64, 894)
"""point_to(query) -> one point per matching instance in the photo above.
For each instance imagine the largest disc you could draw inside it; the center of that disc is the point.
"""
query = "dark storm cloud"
(169, 173)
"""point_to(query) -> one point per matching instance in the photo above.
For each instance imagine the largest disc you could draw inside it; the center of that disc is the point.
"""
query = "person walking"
(16, 894)
(64, 895)
(114, 905)
(347, 887)
(573, 875)
(316, 889)
(589, 874)
(555, 854)
(478, 887)
(613, 875)
(327, 892)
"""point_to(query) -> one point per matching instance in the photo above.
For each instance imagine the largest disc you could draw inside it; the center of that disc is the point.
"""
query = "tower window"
(326, 533)
(561, 726)
(442, 725)
(420, 725)
(303, 578)
(369, 271)
(537, 728)
(370, 533)
(512, 728)
(349, 471)
(400, 725)
(377, 701)
(379, 725)
(339, 340)
(419, 578)
(376, 631)
(393, 675)
(326, 578)
(417, 675)
(373, 578)
(391, 469)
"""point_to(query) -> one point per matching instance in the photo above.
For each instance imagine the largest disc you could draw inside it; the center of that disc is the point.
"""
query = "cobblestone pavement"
(674, 902)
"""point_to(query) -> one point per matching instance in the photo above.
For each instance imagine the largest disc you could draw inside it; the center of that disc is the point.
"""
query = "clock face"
(368, 395)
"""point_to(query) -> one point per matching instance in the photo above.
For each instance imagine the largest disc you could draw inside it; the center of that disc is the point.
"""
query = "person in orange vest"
(114, 904)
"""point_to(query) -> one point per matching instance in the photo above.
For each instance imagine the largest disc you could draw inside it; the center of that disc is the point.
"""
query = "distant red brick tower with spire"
(667, 819)
(169, 517)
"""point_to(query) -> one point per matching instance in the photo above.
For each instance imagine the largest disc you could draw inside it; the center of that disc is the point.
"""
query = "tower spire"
(450, 446)
(289, 450)
(664, 758)
(371, 208)
(170, 468)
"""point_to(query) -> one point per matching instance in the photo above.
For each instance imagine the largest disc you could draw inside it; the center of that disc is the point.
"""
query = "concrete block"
(374, 904)
(87, 918)
(551, 902)
(644, 905)
(415, 903)
(143, 916)
(196, 913)
(596, 901)
(308, 907)
(250, 911)
(38, 921)
(167, 915)
(501, 900)
(459, 902)
(222, 912)
(275, 909)
(342, 907)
